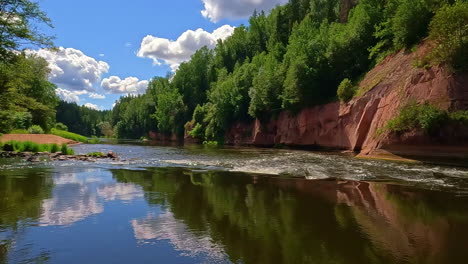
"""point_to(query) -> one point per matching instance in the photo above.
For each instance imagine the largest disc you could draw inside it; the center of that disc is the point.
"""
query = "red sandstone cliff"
(354, 126)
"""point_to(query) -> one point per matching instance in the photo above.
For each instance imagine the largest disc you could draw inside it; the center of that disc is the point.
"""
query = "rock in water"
(112, 155)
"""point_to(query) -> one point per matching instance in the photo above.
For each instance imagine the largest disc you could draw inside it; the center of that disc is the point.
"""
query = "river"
(231, 205)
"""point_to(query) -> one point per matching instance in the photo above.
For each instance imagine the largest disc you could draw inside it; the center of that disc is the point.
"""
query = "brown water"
(179, 205)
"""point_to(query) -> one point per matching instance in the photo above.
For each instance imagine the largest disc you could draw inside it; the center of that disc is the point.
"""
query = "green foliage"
(301, 54)
(82, 120)
(66, 150)
(19, 131)
(459, 117)
(35, 130)
(449, 30)
(69, 135)
(267, 82)
(93, 140)
(170, 108)
(26, 96)
(210, 143)
(61, 126)
(410, 22)
(197, 132)
(18, 23)
(28, 146)
(54, 148)
(106, 129)
(346, 90)
(418, 116)
(96, 154)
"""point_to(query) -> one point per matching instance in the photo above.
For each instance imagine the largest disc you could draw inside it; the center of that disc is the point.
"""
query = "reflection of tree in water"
(21, 195)
(268, 220)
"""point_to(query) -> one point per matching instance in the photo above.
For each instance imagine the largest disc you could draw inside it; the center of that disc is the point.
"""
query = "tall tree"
(18, 19)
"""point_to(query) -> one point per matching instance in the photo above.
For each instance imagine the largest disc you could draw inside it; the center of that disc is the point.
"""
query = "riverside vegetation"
(304, 53)
(301, 54)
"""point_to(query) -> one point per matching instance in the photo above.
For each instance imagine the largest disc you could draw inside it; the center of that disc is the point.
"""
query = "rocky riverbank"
(357, 125)
(45, 156)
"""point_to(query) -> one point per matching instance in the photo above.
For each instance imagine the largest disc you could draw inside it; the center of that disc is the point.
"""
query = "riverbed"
(195, 204)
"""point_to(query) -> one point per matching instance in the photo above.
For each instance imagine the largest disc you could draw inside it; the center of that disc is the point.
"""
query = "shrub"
(93, 140)
(459, 117)
(61, 126)
(210, 143)
(66, 150)
(449, 30)
(346, 90)
(197, 132)
(54, 148)
(414, 116)
(35, 129)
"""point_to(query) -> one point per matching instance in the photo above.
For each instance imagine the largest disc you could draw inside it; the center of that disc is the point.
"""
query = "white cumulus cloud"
(97, 96)
(216, 10)
(129, 85)
(91, 106)
(174, 52)
(69, 96)
(72, 70)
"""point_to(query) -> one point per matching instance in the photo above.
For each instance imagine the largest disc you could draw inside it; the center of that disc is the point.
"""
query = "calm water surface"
(235, 205)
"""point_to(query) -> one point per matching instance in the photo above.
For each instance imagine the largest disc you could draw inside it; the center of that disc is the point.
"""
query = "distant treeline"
(83, 120)
(292, 58)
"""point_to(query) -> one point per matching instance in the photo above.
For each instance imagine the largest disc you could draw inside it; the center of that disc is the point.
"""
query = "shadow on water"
(258, 219)
(22, 192)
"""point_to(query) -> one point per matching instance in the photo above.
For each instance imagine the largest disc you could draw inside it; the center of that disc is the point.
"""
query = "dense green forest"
(303, 53)
(294, 57)
(26, 96)
(83, 120)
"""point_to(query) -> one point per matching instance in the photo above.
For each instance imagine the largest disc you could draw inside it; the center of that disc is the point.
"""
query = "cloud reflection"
(166, 227)
(120, 191)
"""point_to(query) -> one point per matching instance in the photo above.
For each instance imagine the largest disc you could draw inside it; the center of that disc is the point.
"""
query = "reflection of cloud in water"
(72, 200)
(120, 191)
(166, 227)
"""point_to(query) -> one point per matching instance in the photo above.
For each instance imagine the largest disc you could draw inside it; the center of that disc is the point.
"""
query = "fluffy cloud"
(97, 96)
(72, 70)
(129, 85)
(175, 52)
(216, 10)
(69, 96)
(91, 106)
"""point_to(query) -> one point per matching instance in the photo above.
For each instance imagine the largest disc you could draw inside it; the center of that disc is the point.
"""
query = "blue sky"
(112, 48)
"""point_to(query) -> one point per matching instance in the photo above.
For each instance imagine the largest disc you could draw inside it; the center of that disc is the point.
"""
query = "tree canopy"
(294, 57)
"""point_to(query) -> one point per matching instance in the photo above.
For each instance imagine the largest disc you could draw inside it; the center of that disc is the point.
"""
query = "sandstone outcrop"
(354, 126)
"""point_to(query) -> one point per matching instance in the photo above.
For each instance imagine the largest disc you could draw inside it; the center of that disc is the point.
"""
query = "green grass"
(19, 131)
(28, 146)
(69, 135)
(66, 150)
(96, 154)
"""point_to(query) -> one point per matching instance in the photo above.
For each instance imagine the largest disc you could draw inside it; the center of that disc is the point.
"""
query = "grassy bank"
(28, 146)
(69, 135)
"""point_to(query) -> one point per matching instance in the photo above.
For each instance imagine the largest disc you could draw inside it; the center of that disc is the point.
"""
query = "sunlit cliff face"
(380, 214)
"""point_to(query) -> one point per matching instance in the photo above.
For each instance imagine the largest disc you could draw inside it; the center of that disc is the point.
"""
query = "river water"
(231, 205)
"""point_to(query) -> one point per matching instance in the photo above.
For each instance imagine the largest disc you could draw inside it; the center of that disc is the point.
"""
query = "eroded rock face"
(354, 126)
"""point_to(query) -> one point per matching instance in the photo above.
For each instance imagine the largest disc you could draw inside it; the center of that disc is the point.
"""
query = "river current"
(160, 204)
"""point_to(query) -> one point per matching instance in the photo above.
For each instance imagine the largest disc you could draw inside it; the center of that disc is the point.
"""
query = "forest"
(303, 53)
